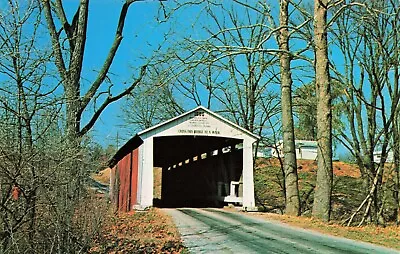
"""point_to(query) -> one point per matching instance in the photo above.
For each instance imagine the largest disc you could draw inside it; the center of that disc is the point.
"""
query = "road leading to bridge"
(218, 231)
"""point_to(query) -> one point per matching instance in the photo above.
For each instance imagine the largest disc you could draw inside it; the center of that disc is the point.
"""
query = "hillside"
(339, 168)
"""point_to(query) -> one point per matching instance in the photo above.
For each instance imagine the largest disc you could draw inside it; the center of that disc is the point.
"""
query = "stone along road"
(219, 231)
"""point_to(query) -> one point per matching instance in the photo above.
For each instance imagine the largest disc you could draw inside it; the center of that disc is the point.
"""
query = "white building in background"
(378, 156)
(305, 149)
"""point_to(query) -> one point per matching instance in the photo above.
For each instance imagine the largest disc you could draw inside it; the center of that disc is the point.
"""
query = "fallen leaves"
(139, 232)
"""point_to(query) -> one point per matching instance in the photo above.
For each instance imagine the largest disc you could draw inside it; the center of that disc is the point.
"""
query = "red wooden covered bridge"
(204, 159)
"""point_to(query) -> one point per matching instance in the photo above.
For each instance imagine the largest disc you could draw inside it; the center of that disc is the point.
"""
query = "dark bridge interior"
(197, 171)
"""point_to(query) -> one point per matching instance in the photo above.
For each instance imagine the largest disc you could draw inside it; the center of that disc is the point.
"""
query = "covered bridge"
(203, 159)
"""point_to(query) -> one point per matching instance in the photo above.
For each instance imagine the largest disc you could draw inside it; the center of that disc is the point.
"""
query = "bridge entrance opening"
(197, 171)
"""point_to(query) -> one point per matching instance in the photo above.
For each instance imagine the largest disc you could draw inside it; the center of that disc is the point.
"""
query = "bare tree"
(69, 62)
(20, 100)
(371, 97)
(151, 103)
(38, 194)
(229, 67)
(396, 120)
(323, 189)
(289, 165)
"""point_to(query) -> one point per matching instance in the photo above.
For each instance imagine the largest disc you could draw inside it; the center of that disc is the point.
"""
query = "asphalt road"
(218, 231)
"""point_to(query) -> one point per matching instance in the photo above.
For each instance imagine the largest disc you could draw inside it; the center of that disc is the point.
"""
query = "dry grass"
(339, 168)
(385, 236)
(103, 176)
(346, 198)
(139, 232)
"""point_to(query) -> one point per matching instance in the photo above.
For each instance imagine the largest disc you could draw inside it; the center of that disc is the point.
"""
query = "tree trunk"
(289, 161)
(72, 112)
(323, 189)
(396, 192)
(396, 165)
(396, 126)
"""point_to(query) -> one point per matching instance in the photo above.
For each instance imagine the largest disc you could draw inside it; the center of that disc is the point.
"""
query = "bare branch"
(110, 100)
(54, 40)
(111, 54)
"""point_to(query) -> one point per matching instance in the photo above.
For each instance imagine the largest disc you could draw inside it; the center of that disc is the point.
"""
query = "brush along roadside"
(139, 232)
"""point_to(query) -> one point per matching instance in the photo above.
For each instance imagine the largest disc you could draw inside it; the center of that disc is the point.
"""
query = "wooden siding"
(126, 171)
